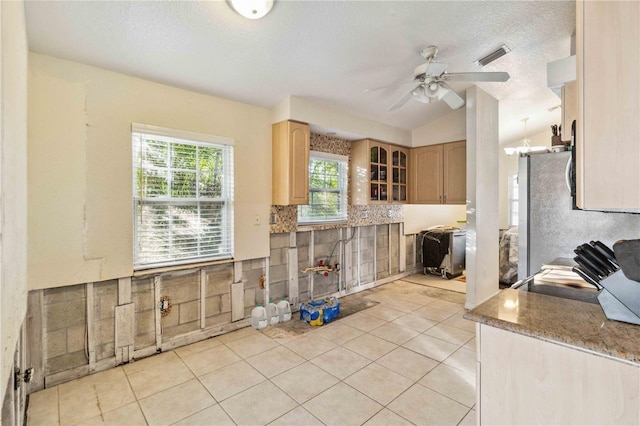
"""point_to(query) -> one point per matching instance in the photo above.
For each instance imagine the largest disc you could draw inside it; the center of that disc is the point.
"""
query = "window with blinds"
(327, 189)
(182, 197)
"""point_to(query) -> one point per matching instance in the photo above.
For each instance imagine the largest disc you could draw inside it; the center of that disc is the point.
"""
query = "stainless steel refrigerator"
(548, 226)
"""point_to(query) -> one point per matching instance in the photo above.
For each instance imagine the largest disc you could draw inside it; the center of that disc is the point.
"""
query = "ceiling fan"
(431, 78)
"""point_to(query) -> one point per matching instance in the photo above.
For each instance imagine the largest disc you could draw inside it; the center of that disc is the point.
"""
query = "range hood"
(561, 72)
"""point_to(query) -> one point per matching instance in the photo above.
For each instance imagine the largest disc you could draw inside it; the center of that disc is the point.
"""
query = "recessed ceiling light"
(251, 9)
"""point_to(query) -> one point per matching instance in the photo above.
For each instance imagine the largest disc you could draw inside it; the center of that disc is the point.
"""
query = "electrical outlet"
(273, 218)
(364, 214)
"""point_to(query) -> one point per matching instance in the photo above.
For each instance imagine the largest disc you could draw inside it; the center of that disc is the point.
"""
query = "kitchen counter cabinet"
(438, 174)
(290, 163)
(548, 360)
(608, 128)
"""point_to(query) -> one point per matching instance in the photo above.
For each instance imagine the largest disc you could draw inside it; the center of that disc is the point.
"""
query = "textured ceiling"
(328, 51)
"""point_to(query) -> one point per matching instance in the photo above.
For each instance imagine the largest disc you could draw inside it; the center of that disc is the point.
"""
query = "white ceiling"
(327, 51)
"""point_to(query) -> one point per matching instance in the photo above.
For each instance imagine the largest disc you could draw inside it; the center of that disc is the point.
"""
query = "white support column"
(482, 197)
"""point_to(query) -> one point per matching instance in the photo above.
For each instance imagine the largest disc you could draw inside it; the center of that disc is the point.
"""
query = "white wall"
(509, 166)
(451, 127)
(80, 172)
(482, 197)
(13, 182)
(418, 216)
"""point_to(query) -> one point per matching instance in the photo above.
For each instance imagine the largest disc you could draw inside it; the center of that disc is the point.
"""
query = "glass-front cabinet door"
(378, 168)
(399, 161)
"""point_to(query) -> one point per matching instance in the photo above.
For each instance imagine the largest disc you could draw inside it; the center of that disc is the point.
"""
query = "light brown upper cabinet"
(608, 125)
(438, 174)
(290, 163)
(379, 172)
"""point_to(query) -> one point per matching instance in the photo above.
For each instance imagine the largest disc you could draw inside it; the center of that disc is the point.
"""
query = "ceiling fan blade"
(403, 100)
(476, 76)
(436, 68)
(387, 87)
(451, 97)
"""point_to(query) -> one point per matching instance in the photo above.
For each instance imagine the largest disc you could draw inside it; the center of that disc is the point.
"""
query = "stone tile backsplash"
(357, 215)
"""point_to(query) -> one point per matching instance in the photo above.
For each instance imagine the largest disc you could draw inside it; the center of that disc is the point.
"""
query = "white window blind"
(182, 197)
(327, 189)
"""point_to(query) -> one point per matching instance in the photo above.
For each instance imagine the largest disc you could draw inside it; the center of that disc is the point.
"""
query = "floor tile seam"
(97, 401)
(432, 390)
(453, 353)
(421, 354)
(460, 345)
(294, 408)
(193, 414)
(283, 371)
(440, 393)
(163, 390)
(341, 379)
(347, 384)
(155, 354)
(230, 396)
(215, 369)
(470, 410)
(459, 328)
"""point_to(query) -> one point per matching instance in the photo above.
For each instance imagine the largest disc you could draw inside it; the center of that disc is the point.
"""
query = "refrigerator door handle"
(567, 175)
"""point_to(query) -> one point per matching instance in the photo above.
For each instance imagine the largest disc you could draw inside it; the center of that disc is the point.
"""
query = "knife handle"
(605, 251)
(590, 267)
(585, 276)
(590, 254)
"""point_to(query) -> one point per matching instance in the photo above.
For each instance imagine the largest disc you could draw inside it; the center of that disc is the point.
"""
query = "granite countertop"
(564, 321)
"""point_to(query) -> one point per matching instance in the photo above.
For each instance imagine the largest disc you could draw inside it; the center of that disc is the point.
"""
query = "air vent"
(498, 53)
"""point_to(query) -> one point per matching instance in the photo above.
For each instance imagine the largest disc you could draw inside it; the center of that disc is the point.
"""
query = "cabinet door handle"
(445, 199)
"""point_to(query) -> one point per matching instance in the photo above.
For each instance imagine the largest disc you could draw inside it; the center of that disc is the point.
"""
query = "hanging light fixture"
(525, 148)
(251, 9)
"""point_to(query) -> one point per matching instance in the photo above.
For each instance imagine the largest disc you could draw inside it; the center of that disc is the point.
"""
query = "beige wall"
(451, 127)
(509, 166)
(80, 197)
(13, 182)
(351, 126)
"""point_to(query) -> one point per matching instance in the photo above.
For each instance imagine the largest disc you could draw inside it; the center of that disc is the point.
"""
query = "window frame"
(342, 191)
(140, 132)
(513, 201)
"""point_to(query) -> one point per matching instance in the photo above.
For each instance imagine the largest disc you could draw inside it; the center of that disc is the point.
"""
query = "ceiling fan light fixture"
(251, 9)
(496, 54)
(420, 93)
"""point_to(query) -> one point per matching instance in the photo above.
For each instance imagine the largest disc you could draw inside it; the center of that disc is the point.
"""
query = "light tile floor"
(409, 360)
